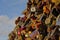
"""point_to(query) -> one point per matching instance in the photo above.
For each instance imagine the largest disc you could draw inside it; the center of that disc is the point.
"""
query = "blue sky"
(12, 8)
(9, 11)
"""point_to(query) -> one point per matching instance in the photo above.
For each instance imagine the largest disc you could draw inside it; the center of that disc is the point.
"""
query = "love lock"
(26, 35)
(59, 29)
(33, 9)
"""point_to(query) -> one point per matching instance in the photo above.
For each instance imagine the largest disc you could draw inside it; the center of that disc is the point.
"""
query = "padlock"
(33, 9)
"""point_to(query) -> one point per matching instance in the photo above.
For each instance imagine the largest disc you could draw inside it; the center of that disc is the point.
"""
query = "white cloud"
(6, 25)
